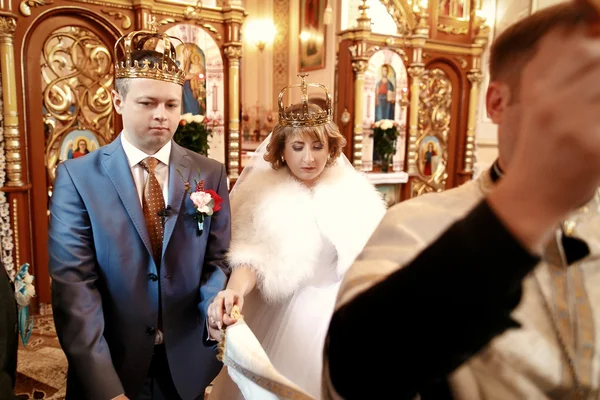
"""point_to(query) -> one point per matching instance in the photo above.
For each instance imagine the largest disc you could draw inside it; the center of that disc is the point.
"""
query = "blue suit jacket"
(104, 294)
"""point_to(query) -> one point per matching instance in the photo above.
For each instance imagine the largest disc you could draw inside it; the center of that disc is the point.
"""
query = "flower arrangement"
(193, 133)
(206, 202)
(24, 291)
(385, 135)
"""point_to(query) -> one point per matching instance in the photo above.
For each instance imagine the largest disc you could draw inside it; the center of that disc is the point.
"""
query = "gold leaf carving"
(77, 77)
(452, 30)
(126, 24)
(25, 6)
(7, 25)
(233, 52)
(213, 30)
(462, 62)
(435, 102)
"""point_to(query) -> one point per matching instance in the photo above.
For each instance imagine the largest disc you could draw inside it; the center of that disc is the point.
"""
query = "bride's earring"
(282, 160)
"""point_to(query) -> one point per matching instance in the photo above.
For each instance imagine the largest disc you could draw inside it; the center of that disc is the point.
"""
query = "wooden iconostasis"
(425, 76)
(57, 65)
(57, 77)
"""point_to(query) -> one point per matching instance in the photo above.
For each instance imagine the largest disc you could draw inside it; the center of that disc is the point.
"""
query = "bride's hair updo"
(325, 132)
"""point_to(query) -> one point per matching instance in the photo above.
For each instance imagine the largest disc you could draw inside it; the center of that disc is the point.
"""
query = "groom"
(133, 271)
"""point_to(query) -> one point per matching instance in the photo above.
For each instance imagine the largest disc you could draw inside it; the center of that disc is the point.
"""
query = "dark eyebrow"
(173, 99)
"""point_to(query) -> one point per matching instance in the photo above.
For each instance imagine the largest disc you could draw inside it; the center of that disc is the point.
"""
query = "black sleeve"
(429, 317)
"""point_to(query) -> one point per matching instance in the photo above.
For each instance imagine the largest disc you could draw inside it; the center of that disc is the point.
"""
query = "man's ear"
(497, 98)
(117, 101)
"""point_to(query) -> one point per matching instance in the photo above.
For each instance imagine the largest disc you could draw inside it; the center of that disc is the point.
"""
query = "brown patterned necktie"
(153, 203)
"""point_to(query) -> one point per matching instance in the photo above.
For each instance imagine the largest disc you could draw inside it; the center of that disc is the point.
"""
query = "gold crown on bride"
(166, 69)
(305, 117)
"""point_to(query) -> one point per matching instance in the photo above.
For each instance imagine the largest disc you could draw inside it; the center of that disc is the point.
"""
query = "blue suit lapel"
(117, 168)
(179, 161)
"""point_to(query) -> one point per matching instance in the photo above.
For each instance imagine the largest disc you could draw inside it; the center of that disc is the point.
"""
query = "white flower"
(198, 118)
(28, 279)
(5, 226)
(189, 117)
(386, 124)
(22, 299)
(30, 290)
(200, 200)
(7, 243)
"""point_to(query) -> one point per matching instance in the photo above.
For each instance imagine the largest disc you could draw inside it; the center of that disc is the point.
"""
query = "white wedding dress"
(292, 333)
(300, 242)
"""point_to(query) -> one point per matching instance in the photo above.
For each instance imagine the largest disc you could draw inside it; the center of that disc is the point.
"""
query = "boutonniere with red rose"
(206, 202)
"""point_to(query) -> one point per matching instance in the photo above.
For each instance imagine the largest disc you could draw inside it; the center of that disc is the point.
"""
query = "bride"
(300, 215)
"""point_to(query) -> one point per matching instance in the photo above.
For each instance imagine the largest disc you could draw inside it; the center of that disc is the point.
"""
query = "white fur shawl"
(278, 223)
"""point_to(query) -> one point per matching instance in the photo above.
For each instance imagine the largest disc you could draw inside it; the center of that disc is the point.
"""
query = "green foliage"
(384, 143)
(193, 136)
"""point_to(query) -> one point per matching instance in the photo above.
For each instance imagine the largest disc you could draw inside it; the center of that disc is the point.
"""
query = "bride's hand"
(219, 311)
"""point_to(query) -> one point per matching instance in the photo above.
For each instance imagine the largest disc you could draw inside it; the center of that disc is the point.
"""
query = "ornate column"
(14, 163)
(233, 50)
(415, 70)
(360, 62)
(475, 77)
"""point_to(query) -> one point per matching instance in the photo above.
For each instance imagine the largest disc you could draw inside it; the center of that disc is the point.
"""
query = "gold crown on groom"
(306, 117)
(166, 68)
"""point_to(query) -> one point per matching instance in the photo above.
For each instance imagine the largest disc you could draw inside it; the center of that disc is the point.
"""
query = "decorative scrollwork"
(353, 49)
(435, 103)
(7, 26)
(126, 24)
(194, 12)
(401, 53)
(404, 21)
(154, 24)
(212, 30)
(25, 6)
(360, 66)
(233, 52)
(77, 76)
(475, 76)
(452, 30)
(462, 62)
(416, 71)
(372, 50)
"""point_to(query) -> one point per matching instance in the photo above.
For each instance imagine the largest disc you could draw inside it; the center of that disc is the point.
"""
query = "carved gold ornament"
(435, 102)
(25, 6)
(126, 24)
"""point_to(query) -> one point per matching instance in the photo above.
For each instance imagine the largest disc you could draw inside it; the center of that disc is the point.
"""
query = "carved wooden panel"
(76, 69)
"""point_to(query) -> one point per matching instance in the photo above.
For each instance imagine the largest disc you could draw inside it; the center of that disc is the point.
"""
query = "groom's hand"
(219, 311)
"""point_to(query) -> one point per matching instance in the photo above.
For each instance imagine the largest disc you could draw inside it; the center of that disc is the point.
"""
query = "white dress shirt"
(140, 175)
(135, 155)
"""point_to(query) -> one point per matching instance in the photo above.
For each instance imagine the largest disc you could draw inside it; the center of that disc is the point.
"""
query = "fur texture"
(278, 224)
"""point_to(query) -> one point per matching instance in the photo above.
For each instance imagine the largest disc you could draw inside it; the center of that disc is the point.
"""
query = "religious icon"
(429, 155)
(194, 87)
(78, 143)
(385, 94)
